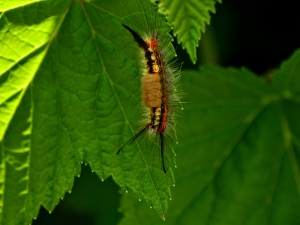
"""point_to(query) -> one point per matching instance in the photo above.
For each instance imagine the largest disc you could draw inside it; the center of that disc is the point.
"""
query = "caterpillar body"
(159, 79)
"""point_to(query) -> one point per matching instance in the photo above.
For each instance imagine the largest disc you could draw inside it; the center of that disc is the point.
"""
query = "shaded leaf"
(238, 159)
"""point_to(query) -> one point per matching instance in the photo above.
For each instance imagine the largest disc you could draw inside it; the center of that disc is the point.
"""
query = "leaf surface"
(189, 19)
(238, 155)
(69, 93)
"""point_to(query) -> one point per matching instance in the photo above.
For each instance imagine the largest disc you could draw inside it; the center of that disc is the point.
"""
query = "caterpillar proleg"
(159, 76)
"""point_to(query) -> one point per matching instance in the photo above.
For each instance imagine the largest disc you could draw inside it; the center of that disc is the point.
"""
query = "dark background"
(255, 34)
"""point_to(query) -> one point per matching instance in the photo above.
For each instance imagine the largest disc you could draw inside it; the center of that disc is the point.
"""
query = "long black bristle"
(162, 152)
(141, 43)
(131, 140)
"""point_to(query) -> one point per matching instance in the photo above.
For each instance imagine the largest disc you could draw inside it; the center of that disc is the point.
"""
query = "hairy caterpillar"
(159, 78)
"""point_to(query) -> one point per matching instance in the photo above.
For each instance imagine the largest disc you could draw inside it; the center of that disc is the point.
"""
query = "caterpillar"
(159, 80)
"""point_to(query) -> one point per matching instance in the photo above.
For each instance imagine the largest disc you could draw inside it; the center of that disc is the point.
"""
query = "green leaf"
(70, 93)
(188, 19)
(239, 152)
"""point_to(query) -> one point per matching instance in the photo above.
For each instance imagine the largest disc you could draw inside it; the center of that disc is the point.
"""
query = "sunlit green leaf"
(70, 93)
